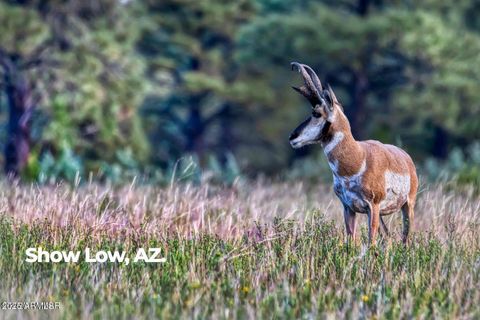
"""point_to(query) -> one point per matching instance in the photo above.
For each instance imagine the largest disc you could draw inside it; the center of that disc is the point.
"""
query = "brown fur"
(350, 155)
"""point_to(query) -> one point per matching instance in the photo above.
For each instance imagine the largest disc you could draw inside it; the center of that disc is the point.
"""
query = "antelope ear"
(304, 91)
(330, 98)
(323, 109)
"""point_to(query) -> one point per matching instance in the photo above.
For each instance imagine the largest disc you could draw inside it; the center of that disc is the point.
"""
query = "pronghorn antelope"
(368, 176)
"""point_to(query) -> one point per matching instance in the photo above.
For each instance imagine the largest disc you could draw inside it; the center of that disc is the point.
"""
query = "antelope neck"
(345, 155)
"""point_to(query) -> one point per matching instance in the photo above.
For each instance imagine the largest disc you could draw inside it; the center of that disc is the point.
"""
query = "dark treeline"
(94, 86)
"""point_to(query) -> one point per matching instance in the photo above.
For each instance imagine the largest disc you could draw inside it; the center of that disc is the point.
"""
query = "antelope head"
(324, 105)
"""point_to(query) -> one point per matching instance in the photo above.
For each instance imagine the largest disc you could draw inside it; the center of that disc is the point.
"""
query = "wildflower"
(364, 298)
(245, 290)
(195, 285)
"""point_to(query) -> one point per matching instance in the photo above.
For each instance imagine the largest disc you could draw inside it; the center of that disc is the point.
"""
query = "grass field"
(256, 250)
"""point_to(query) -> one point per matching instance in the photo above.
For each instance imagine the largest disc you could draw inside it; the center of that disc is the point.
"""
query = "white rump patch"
(397, 188)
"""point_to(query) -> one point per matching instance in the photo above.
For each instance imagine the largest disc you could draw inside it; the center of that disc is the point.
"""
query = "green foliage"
(69, 167)
(207, 106)
(416, 69)
(314, 169)
(446, 88)
(91, 93)
(462, 168)
(23, 29)
(229, 173)
(211, 78)
(106, 76)
(66, 166)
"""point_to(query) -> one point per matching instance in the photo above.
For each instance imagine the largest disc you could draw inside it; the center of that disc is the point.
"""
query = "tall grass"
(255, 250)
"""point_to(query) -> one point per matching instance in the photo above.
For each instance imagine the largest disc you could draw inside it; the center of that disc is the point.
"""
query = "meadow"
(258, 249)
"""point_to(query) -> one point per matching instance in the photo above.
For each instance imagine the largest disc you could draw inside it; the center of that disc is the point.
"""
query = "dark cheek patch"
(323, 134)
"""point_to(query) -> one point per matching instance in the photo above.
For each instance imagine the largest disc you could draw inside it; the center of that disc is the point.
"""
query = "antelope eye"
(316, 114)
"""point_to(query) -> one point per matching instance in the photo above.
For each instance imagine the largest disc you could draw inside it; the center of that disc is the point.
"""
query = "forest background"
(179, 88)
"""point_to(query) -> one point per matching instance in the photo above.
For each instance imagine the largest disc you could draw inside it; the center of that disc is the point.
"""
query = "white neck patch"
(337, 138)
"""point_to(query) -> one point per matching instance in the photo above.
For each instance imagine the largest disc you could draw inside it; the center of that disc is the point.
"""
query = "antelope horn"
(314, 77)
(313, 87)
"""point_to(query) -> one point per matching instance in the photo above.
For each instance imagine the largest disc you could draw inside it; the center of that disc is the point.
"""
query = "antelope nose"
(293, 135)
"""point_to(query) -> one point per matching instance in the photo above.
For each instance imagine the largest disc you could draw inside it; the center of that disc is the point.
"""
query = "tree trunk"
(194, 129)
(440, 143)
(20, 108)
(358, 112)
(226, 134)
(362, 7)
